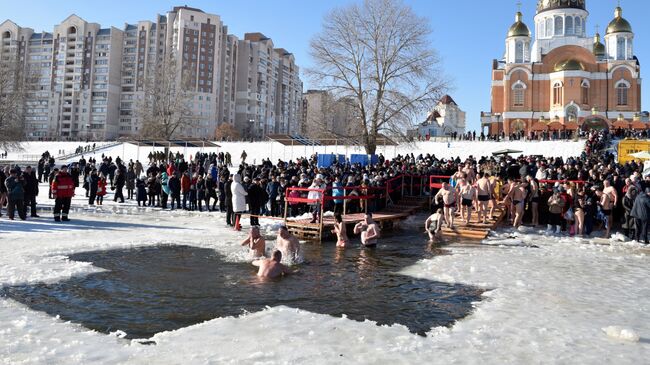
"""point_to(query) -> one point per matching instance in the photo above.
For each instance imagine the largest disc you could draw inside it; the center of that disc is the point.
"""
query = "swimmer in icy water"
(340, 231)
(255, 242)
(368, 230)
(433, 225)
(288, 244)
(271, 268)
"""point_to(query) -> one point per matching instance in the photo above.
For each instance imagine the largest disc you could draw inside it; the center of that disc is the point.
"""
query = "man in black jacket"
(230, 214)
(31, 191)
(256, 198)
(174, 184)
(641, 213)
(15, 194)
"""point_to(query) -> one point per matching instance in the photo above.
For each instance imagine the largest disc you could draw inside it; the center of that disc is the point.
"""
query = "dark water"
(153, 289)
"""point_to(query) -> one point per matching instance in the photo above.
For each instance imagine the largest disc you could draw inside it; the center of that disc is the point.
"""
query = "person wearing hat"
(15, 194)
(62, 189)
(31, 191)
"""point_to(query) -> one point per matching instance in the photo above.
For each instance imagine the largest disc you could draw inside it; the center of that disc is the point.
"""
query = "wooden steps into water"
(475, 230)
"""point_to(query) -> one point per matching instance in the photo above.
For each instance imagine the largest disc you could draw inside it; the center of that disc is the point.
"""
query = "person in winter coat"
(130, 183)
(92, 180)
(15, 195)
(62, 191)
(210, 193)
(628, 203)
(141, 194)
(256, 198)
(175, 190)
(31, 191)
(201, 192)
(555, 209)
(193, 191)
(641, 213)
(119, 182)
(316, 196)
(164, 194)
(272, 192)
(102, 185)
(227, 193)
(238, 198)
(186, 184)
(337, 190)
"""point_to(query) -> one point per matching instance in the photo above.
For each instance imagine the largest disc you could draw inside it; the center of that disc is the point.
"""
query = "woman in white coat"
(238, 199)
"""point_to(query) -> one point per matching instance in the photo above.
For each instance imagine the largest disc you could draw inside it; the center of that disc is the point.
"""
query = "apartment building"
(86, 81)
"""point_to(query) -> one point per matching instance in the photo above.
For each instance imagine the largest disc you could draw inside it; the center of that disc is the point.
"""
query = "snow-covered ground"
(563, 301)
(258, 150)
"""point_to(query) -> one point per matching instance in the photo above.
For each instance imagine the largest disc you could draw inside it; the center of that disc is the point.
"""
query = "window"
(620, 48)
(559, 24)
(569, 26)
(519, 52)
(578, 25)
(622, 93)
(549, 27)
(585, 92)
(557, 93)
(518, 91)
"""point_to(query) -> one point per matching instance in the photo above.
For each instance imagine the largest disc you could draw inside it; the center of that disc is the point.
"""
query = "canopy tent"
(639, 125)
(195, 143)
(505, 152)
(571, 126)
(643, 155)
(297, 140)
(621, 124)
(556, 126)
(539, 126)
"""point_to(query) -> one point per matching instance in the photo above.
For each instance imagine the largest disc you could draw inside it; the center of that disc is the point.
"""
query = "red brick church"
(563, 79)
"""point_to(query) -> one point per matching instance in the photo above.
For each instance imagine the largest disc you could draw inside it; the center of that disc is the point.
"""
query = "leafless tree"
(378, 53)
(12, 105)
(166, 107)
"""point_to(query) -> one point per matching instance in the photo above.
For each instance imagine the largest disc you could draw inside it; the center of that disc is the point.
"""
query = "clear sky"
(468, 34)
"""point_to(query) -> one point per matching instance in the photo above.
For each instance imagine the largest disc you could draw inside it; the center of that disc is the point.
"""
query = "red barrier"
(437, 185)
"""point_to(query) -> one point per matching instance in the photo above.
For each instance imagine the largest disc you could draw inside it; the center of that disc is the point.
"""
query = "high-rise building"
(563, 79)
(85, 82)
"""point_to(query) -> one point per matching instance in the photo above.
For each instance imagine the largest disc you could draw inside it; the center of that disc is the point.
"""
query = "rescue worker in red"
(62, 191)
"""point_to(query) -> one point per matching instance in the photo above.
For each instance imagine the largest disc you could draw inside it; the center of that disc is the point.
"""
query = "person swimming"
(271, 268)
(433, 225)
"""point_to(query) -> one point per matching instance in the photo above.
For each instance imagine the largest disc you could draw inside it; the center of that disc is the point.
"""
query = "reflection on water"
(153, 289)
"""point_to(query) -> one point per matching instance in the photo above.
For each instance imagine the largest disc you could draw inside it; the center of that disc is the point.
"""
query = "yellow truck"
(627, 147)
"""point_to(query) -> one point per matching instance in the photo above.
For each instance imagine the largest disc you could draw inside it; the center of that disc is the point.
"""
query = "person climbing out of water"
(449, 200)
(255, 242)
(368, 230)
(271, 268)
(340, 231)
(433, 225)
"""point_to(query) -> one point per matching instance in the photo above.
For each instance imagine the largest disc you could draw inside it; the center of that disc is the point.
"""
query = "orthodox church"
(446, 119)
(564, 79)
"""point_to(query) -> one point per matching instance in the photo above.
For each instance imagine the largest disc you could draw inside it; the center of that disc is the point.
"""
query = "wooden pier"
(394, 212)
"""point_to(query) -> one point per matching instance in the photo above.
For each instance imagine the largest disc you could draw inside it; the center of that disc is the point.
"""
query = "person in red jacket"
(62, 191)
(186, 183)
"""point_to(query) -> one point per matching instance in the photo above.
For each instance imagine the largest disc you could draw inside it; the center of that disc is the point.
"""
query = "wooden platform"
(475, 230)
(388, 218)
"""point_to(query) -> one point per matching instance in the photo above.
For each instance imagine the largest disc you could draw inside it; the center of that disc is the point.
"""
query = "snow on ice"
(551, 299)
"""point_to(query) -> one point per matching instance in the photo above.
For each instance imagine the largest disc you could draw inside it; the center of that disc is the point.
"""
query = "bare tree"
(378, 54)
(226, 132)
(12, 104)
(166, 107)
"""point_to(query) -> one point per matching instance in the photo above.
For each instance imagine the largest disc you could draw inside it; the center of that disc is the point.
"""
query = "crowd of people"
(574, 196)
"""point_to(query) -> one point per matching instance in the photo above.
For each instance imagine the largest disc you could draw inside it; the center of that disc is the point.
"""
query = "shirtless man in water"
(369, 231)
(449, 200)
(606, 205)
(340, 231)
(255, 242)
(271, 268)
(484, 194)
(287, 244)
(433, 225)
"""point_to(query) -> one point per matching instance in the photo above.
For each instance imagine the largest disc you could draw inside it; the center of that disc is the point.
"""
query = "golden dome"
(519, 29)
(599, 47)
(619, 24)
(569, 65)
